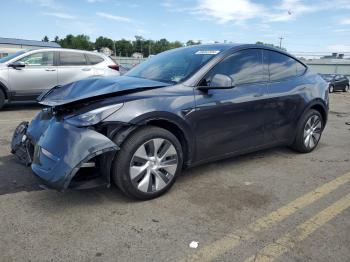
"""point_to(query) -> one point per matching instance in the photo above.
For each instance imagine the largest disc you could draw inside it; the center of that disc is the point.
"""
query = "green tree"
(138, 44)
(104, 42)
(56, 40)
(124, 47)
(192, 42)
(77, 42)
(175, 44)
(45, 39)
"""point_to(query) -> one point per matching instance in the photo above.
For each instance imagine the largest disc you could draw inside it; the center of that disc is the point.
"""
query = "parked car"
(26, 74)
(336, 82)
(181, 108)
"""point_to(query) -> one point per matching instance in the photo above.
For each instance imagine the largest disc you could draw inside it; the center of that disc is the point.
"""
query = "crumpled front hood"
(95, 87)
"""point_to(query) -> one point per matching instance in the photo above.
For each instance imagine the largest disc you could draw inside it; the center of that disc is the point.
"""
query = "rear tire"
(309, 132)
(346, 88)
(2, 99)
(148, 163)
(331, 89)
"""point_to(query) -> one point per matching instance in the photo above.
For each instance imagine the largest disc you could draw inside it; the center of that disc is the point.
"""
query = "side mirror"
(219, 81)
(17, 64)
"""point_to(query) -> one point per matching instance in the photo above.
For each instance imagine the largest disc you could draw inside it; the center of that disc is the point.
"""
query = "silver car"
(26, 74)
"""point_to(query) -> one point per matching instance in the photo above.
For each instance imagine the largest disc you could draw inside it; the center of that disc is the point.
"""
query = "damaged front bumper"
(56, 151)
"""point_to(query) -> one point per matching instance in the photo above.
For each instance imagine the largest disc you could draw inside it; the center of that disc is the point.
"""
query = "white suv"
(26, 74)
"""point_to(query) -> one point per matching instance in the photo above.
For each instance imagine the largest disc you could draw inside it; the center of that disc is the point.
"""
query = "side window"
(337, 78)
(282, 66)
(72, 59)
(94, 59)
(243, 67)
(38, 59)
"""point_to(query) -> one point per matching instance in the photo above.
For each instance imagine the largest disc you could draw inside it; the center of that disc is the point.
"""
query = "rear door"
(39, 74)
(73, 66)
(285, 95)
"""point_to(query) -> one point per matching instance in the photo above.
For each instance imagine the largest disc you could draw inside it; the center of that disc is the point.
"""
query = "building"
(330, 66)
(137, 55)
(106, 51)
(12, 45)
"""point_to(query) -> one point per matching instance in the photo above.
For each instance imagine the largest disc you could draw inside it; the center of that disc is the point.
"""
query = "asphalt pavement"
(273, 205)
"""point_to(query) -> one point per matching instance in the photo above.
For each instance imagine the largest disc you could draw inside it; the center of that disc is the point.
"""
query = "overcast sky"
(306, 25)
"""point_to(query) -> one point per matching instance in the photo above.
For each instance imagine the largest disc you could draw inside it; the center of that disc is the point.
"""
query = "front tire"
(309, 132)
(148, 163)
(331, 89)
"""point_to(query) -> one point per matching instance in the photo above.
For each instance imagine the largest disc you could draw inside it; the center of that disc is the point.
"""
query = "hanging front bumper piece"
(57, 152)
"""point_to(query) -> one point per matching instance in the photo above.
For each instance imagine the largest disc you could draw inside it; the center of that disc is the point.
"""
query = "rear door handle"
(50, 70)
(85, 69)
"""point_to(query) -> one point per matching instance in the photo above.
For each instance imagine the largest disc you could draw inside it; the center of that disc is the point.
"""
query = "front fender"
(63, 148)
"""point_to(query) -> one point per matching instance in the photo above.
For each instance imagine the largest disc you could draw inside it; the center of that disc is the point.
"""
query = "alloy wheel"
(331, 89)
(153, 165)
(312, 131)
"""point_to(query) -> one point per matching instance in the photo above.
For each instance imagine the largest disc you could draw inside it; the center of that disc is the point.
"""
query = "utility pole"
(280, 38)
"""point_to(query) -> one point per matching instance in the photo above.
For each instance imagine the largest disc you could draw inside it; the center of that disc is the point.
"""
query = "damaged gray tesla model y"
(178, 109)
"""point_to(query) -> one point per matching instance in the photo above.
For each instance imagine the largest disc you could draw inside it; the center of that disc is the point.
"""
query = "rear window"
(282, 66)
(94, 59)
(72, 59)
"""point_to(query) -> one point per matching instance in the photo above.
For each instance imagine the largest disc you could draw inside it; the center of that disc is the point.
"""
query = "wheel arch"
(4, 89)
(119, 132)
(319, 106)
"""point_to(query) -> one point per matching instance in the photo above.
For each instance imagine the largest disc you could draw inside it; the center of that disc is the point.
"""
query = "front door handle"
(258, 95)
(50, 70)
(85, 69)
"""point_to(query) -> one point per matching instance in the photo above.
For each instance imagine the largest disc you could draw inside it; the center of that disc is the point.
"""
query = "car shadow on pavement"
(14, 178)
(245, 158)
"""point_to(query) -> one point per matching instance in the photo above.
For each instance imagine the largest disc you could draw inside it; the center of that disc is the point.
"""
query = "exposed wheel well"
(175, 130)
(321, 110)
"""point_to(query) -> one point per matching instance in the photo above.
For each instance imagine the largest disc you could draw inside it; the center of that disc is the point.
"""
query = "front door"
(232, 120)
(38, 75)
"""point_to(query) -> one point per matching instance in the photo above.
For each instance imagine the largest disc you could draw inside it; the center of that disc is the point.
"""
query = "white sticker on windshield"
(207, 52)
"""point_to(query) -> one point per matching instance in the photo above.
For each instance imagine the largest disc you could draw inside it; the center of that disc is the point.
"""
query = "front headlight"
(93, 117)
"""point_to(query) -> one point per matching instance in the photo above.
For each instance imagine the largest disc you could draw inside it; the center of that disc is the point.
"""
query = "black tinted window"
(282, 66)
(94, 59)
(72, 59)
(243, 67)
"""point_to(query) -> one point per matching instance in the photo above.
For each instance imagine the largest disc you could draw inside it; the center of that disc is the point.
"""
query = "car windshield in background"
(176, 65)
(327, 77)
(9, 57)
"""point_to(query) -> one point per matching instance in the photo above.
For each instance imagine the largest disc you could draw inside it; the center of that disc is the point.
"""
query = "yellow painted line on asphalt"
(288, 241)
(228, 242)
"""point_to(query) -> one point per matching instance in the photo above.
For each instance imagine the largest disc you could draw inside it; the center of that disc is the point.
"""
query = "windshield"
(9, 57)
(327, 77)
(176, 65)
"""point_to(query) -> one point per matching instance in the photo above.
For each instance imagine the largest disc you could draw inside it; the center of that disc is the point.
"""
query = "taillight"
(115, 67)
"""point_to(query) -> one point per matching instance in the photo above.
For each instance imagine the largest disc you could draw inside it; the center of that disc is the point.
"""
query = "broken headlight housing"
(93, 117)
